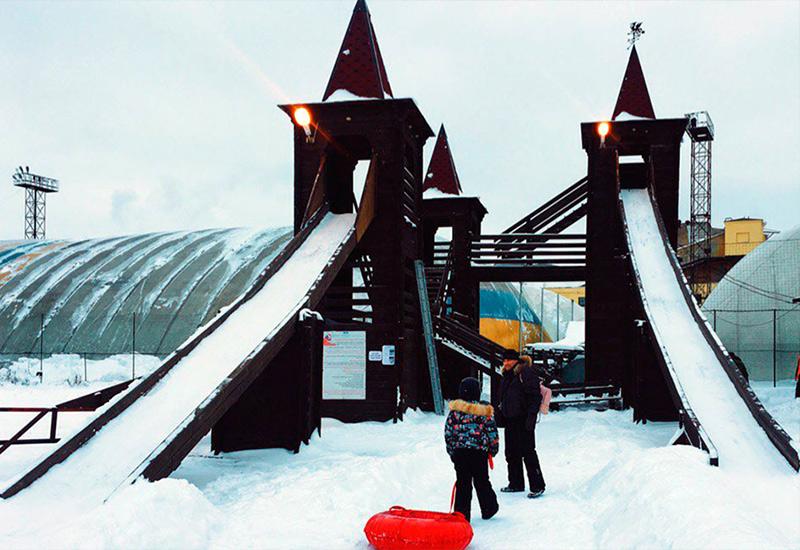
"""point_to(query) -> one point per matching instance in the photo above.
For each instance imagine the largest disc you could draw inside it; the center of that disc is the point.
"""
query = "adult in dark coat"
(520, 397)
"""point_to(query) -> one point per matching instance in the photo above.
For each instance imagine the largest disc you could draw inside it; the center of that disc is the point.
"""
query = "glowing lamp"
(602, 129)
(302, 117)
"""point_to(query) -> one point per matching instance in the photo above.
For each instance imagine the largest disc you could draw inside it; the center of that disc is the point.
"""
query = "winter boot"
(489, 514)
(511, 489)
(536, 494)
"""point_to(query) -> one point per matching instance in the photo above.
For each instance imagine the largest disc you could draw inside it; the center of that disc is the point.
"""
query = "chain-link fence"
(49, 348)
(767, 340)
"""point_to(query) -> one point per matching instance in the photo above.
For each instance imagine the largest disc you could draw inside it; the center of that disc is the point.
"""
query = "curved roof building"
(83, 296)
(752, 310)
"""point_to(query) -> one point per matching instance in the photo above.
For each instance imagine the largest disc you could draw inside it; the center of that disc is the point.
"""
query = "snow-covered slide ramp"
(148, 430)
(732, 421)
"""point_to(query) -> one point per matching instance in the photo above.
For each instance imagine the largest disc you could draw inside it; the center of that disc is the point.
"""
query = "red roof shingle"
(359, 67)
(441, 173)
(633, 97)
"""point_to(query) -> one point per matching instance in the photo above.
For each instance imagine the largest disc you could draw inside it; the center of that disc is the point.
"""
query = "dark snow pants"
(520, 446)
(472, 468)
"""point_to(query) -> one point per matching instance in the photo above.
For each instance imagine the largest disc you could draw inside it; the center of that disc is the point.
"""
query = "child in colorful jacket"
(470, 434)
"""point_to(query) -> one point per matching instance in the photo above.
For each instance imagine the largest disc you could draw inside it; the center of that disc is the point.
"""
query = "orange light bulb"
(603, 128)
(302, 117)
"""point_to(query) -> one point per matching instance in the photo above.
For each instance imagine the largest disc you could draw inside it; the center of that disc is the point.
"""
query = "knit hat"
(511, 354)
(469, 389)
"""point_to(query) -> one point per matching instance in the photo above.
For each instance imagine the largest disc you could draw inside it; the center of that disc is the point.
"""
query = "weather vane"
(634, 33)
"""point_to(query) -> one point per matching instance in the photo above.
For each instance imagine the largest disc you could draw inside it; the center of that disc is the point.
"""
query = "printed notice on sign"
(344, 364)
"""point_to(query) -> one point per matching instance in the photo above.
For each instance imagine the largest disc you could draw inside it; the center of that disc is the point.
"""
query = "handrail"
(531, 236)
(550, 207)
(444, 284)
(84, 403)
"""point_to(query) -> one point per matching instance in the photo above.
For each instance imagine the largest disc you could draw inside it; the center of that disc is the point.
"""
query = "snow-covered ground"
(610, 484)
(63, 380)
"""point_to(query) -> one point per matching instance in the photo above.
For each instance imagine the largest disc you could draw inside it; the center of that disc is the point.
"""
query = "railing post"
(133, 348)
(541, 316)
(715, 319)
(41, 347)
(558, 318)
(85, 370)
(774, 348)
(53, 420)
(519, 316)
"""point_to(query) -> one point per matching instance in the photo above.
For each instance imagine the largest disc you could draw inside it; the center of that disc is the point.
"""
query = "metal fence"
(767, 340)
(44, 346)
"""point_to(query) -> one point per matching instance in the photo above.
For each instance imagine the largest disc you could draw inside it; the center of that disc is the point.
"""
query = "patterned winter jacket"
(470, 425)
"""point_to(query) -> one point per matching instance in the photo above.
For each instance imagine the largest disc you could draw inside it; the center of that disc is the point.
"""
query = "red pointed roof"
(359, 67)
(633, 96)
(441, 172)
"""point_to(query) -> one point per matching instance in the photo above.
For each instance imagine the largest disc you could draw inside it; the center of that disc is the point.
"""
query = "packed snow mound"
(670, 498)
(171, 513)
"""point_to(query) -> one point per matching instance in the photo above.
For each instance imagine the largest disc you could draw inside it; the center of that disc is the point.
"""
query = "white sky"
(160, 116)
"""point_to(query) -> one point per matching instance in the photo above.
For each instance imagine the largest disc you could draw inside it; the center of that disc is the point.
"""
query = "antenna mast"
(701, 131)
(36, 189)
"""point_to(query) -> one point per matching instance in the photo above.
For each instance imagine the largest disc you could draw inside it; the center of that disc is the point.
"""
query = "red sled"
(401, 529)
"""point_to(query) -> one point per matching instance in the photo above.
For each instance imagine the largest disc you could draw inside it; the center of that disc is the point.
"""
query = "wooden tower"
(375, 291)
(611, 308)
(447, 263)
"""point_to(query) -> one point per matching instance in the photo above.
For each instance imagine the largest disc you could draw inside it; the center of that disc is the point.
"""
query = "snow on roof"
(633, 98)
(625, 115)
(434, 193)
(359, 67)
(344, 95)
(441, 172)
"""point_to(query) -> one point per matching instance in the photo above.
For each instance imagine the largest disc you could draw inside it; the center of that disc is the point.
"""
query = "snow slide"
(729, 415)
(159, 420)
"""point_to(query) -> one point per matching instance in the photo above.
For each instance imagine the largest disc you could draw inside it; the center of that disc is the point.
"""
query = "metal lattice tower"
(701, 131)
(36, 189)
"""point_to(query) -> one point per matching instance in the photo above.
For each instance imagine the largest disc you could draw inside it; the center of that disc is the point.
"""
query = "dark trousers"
(472, 468)
(520, 446)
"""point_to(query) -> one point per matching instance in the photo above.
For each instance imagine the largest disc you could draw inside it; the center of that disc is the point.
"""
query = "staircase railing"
(443, 292)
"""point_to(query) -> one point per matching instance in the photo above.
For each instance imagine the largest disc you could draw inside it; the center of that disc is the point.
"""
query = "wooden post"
(53, 420)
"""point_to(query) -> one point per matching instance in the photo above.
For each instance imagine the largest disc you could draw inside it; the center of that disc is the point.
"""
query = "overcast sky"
(161, 116)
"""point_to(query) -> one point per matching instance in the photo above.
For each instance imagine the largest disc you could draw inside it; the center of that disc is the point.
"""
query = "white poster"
(344, 364)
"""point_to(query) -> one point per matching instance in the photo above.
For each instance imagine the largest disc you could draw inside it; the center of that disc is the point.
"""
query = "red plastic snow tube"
(401, 529)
